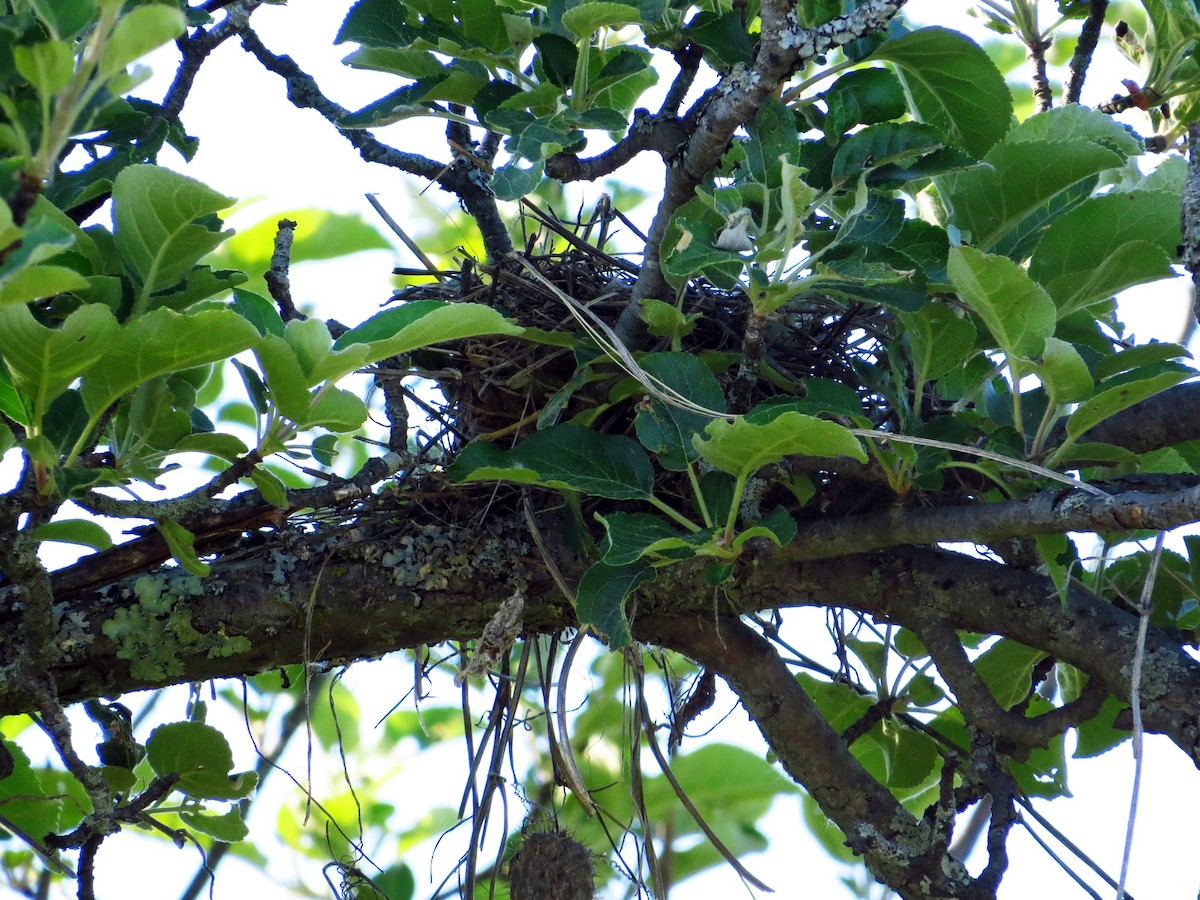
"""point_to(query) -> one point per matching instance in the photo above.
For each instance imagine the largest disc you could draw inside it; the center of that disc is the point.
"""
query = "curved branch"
(468, 183)
(1171, 417)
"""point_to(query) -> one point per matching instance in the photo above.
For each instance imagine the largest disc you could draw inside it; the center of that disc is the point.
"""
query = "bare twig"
(1089, 36)
(278, 281)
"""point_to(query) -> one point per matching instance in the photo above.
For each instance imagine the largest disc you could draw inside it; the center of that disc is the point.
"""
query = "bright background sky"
(255, 146)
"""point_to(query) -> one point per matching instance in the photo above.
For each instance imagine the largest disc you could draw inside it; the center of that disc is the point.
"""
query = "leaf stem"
(673, 514)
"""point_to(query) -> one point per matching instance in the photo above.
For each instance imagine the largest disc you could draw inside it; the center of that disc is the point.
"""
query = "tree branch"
(783, 48)
(1089, 36)
(1048, 512)
(466, 182)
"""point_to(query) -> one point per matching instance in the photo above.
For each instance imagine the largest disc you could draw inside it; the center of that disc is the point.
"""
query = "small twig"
(278, 281)
(405, 239)
(664, 764)
(1191, 215)
(1041, 84)
(1145, 606)
(1089, 36)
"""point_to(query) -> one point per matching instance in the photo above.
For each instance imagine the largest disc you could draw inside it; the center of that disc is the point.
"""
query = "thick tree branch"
(1048, 512)
(1164, 419)
(900, 850)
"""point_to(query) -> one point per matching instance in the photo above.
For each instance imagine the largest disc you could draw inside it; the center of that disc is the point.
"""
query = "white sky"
(254, 145)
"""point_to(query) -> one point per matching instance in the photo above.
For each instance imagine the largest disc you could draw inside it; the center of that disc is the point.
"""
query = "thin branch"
(1041, 84)
(466, 182)
(279, 282)
(1191, 213)
(1089, 36)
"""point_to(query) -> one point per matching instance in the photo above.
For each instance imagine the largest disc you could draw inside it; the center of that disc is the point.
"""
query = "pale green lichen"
(157, 630)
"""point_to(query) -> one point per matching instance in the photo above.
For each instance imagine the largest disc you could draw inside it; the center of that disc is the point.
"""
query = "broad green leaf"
(420, 324)
(884, 144)
(75, 531)
(157, 232)
(229, 827)
(159, 342)
(23, 800)
(1099, 734)
(1063, 372)
(741, 447)
(1073, 122)
(139, 31)
(953, 85)
(941, 339)
(587, 18)
(724, 37)
(39, 282)
(286, 379)
(182, 544)
(272, 489)
(1106, 244)
(65, 18)
(666, 430)
(779, 527)
(1007, 669)
(511, 181)
(1111, 401)
(863, 97)
(566, 457)
(600, 599)
(1018, 312)
(630, 536)
(1014, 180)
(664, 320)
(182, 747)
(257, 310)
(224, 446)
(1142, 356)
(690, 248)
(211, 784)
(44, 361)
(336, 410)
(47, 66)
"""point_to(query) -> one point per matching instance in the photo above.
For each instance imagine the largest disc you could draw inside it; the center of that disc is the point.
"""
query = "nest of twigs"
(499, 389)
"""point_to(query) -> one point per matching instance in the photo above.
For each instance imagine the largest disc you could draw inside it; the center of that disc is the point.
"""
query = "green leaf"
(741, 447)
(1106, 244)
(1017, 178)
(778, 527)
(335, 410)
(664, 320)
(863, 97)
(1007, 669)
(229, 827)
(1063, 372)
(211, 784)
(418, 324)
(65, 18)
(600, 599)
(182, 544)
(953, 85)
(1017, 311)
(566, 457)
(723, 36)
(1099, 734)
(665, 429)
(47, 66)
(157, 232)
(139, 31)
(885, 144)
(272, 489)
(258, 311)
(586, 19)
(159, 342)
(179, 748)
(38, 282)
(630, 536)
(75, 531)
(1082, 124)
(1111, 401)
(43, 361)
(23, 800)
(940, 339)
